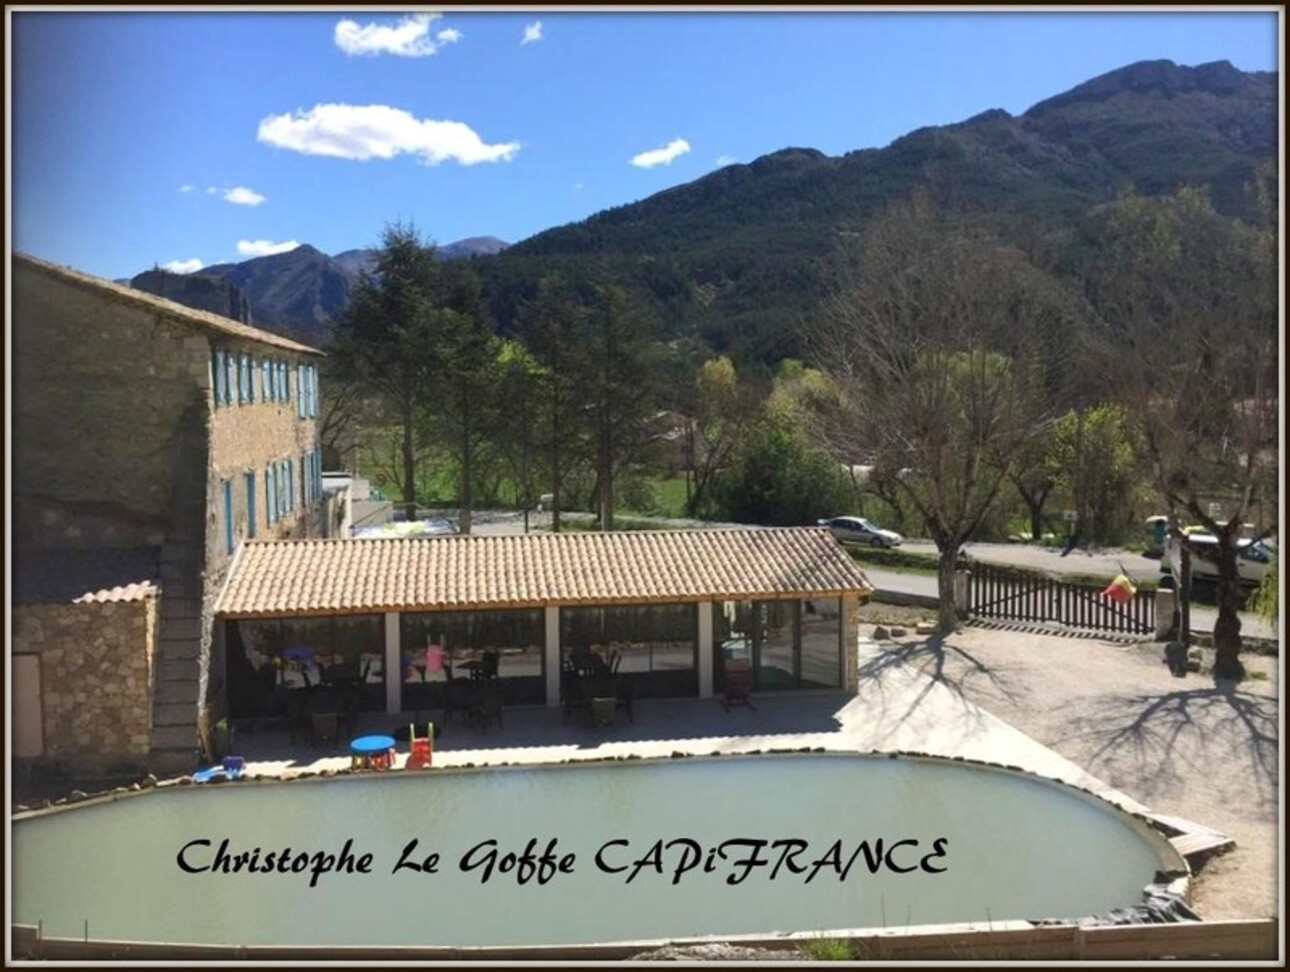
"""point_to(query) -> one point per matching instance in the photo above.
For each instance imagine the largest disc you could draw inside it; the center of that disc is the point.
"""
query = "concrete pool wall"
(587, 852)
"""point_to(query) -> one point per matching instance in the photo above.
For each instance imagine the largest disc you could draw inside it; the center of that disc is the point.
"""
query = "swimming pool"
(599, 852)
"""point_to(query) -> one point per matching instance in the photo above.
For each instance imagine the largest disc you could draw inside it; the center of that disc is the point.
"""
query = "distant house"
(149, 440)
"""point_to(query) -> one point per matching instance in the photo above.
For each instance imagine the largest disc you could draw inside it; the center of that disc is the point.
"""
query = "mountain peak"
(1162, 77)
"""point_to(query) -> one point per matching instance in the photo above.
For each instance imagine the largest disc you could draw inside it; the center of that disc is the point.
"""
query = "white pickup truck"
(1252, 558)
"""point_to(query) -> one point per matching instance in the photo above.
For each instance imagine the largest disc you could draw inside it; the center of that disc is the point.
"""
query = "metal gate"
(1014, 595)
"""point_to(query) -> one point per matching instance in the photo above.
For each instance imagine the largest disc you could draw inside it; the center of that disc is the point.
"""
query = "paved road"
(1103, 563)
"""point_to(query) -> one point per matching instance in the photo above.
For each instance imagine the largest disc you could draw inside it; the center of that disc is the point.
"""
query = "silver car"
(856, 529)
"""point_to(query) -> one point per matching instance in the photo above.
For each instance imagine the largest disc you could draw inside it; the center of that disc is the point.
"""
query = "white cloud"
(256, 248)
(532, 33)
(186, 188)
(211, 190)
(242, 196)
(379, 132)
(724, 160)
(661, 156)
(183, 266)
(577, 187)
(410, 37)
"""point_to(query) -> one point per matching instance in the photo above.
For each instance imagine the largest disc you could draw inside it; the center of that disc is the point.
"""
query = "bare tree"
(1189, 303)
(940, 341)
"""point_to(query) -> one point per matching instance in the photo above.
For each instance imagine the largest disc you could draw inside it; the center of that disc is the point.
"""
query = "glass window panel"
(253, 651)
(436, 643)
(773, 659)
(657, 644)
(821, 643)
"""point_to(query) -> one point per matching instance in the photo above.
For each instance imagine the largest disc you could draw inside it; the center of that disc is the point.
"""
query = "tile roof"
(173, 310)
(81, 576)
(297, 577)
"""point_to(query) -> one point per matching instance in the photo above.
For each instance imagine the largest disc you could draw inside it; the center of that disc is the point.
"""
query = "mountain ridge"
(298, 293)
(736, 256)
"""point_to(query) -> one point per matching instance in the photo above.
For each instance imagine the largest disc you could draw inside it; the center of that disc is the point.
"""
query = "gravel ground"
(1190, 747)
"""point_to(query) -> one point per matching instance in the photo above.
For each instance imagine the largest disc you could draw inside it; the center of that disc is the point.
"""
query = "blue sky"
(144, 138)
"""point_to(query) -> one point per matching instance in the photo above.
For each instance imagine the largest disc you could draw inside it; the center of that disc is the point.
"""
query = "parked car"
(1156, 530)
(1252, 558)
(856, 529)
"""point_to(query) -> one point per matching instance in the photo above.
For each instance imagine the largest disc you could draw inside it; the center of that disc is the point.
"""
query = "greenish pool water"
(633, 850)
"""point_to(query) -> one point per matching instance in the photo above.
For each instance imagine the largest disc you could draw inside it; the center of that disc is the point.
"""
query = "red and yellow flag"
(1120, 590)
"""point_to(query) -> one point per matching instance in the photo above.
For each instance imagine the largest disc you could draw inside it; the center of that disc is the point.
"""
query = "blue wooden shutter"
(217, 371)
(250, 504)
(230, 378)
(228, 515)
(270, 494)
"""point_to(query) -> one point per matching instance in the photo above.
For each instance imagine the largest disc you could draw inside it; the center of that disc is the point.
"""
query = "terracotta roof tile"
(286, 577)
(201, 318)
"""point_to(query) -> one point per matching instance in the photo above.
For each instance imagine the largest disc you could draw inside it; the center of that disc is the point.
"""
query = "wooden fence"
(1015, 595)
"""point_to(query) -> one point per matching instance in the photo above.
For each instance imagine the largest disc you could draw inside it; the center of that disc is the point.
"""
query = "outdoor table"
(371, 752)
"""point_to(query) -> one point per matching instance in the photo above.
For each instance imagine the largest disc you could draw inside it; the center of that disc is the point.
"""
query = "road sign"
(1070, 516)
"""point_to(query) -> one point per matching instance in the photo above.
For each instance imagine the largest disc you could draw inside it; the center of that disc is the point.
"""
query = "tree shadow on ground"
(1147, 730)
(929, 657)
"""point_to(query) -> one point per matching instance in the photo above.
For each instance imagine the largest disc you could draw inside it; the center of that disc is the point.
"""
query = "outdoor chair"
(600, 692)
(571, 689)
(486, 667)
(624, 693)
(458, 697)
(738, 685)
(294, 706)
(486, 706)
(324, 728)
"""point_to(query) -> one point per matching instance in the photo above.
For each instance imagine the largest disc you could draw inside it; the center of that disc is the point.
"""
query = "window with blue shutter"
(266, 380)
(230, 378)
(270, 494)
(221, 378)
(250, 504)
(227, 486)
(300, 390)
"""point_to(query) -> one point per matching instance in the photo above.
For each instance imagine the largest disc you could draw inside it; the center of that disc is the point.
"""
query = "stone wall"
(101, 390)
(850, 640)
(245, 439)
(96, 679)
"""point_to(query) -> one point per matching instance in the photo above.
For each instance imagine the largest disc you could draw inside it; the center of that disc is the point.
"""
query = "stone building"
(149, 440)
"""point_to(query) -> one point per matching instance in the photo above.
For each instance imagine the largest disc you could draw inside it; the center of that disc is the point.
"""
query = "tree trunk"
(556, 471)
(947, 618)
(606, 476)
(1227, 629)
(466, 497)
(1035, 504)
(409, 468)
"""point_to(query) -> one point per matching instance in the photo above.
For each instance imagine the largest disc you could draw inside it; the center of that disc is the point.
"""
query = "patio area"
(895, 710)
